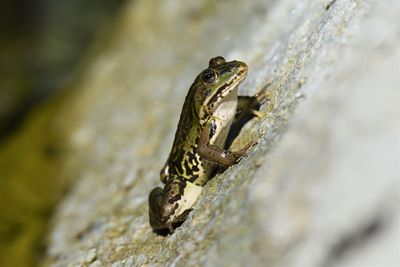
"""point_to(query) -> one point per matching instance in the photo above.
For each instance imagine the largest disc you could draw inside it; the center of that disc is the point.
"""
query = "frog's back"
(184, 160)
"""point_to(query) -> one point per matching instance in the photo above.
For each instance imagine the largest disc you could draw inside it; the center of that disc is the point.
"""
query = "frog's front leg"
(215, 154)
(252, 104)
(248, 107)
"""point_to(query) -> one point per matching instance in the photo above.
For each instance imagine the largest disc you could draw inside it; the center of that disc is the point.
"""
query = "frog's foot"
(179, 221)
(263, 95)
(170, 228)
(251, 104)
(256, 113)
(248, 108)
(243, 151)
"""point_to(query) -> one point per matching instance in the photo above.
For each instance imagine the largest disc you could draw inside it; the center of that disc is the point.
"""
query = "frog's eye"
(216, 61)
(208, 76)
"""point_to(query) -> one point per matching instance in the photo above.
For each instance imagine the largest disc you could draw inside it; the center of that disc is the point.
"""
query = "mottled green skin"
(209, 109)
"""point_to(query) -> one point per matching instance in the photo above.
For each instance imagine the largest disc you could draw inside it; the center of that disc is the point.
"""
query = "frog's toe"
(256, 113)
(263, 95)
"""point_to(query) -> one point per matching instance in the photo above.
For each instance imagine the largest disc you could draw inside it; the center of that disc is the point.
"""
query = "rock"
(319, 189)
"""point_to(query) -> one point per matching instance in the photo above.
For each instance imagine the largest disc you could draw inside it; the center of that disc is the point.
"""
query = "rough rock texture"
(319, 189)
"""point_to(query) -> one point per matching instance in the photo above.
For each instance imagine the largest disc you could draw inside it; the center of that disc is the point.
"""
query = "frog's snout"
(238, 67)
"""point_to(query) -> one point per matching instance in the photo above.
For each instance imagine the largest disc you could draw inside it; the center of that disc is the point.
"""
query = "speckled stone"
(324, 170)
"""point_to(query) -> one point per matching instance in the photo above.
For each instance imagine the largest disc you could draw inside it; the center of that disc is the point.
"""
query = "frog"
(210, 108)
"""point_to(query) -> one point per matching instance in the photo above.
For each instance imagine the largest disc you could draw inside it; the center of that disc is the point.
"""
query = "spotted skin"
(198, 148)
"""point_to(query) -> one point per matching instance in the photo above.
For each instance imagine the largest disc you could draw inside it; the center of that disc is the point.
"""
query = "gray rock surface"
(320, 188)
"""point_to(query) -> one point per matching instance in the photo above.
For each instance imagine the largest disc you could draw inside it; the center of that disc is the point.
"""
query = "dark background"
(42, 43)
(43, 47)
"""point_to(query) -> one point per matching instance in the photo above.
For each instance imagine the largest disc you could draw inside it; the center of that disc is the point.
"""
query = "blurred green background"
(43, 45)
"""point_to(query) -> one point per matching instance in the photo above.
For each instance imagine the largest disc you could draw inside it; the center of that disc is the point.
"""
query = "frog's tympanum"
(210, 108)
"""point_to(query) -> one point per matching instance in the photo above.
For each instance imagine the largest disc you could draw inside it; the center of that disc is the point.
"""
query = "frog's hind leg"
(248, 108)
(164, 173)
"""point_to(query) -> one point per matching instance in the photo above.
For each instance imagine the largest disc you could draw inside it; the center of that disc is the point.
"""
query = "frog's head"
(216, 82)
